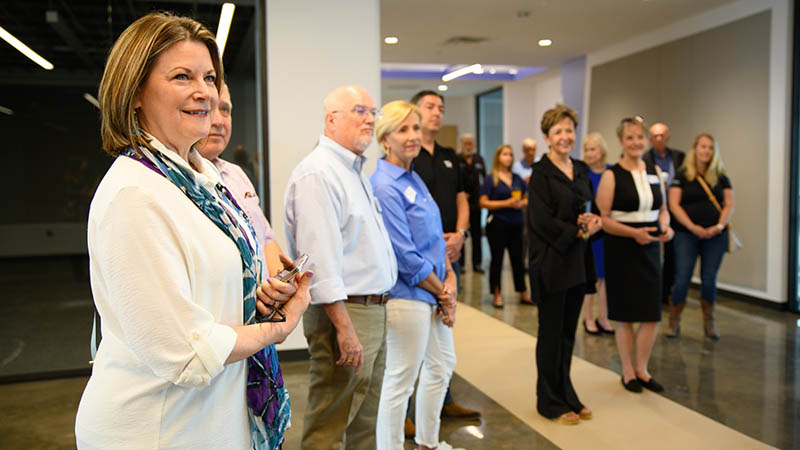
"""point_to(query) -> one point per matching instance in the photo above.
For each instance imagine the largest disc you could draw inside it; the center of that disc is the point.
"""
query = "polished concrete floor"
(749, 380)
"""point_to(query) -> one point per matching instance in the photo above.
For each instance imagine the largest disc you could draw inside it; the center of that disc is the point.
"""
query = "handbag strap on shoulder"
(708, 192)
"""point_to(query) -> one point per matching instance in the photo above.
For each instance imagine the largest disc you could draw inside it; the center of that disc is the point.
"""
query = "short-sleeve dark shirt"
(473, 175)
(441, 173)
(695, 201)
(503, 192)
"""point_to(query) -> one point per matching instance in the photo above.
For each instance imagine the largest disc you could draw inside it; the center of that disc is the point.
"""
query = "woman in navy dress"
(635, 218)
(595, 150)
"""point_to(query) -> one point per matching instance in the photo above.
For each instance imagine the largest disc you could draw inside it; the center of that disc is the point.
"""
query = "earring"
(137, 130)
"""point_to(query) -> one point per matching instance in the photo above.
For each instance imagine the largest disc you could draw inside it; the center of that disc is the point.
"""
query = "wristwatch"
(464, 233)
(720, 226)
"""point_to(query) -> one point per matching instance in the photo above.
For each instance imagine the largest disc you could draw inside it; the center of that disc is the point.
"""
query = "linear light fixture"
(90, 98)
(10, 112)
(24, 49)
(461, 72)
(225, 18)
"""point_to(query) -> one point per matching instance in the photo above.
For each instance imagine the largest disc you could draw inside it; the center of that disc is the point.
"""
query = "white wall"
(309, 54)
(524, 103)
(778, 146)
(460, 111)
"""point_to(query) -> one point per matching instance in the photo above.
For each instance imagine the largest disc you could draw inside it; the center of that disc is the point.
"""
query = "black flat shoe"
(632, 385)
(602, 330)
(529, 303)
(651, 384)
(594, 333)
(500, 305)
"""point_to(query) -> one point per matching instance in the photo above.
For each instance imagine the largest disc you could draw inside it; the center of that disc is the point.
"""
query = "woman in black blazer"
(560, 222)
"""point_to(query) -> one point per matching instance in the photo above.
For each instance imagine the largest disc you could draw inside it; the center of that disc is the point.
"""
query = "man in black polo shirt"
(439, 168)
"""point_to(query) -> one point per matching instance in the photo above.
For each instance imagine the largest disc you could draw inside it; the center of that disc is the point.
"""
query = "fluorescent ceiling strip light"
(461, 72)
(10, 112)
(8, 37)
(225, 18)
(90, 98)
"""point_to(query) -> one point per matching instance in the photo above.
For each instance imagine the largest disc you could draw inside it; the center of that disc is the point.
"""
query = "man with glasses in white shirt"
(333, 217)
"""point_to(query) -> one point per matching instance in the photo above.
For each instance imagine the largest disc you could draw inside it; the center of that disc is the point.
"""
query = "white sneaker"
(445, 446)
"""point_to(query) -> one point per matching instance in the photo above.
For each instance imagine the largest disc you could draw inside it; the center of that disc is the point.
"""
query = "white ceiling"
(576, 28)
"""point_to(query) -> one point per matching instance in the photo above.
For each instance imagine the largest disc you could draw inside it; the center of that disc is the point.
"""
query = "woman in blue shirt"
(504, 194)
(421, 308)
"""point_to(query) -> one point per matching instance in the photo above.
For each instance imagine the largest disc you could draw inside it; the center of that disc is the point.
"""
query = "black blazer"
(677, 157)
(559, 260)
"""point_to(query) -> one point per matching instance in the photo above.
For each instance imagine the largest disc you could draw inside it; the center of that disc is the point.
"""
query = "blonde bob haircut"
(554, 115)
(715, 167)
(496, 162)
(598, 139)
(392, 115)
(129, 64)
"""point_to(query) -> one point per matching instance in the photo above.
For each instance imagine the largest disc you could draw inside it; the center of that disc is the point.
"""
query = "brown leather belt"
(379, 299)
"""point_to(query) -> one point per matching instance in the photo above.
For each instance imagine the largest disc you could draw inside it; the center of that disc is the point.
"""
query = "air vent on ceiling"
(462, 40)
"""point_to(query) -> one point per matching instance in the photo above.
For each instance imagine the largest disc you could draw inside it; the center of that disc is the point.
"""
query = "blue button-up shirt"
(332, 215)
(415, 228)
(665, 164)
(522, 168)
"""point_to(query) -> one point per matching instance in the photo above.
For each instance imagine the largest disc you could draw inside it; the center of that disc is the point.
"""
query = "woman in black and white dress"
(635, 218)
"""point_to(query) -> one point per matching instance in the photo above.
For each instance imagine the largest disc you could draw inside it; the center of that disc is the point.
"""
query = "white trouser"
(415, 337)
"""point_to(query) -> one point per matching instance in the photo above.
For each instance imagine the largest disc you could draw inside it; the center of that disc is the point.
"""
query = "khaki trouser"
(342, 406)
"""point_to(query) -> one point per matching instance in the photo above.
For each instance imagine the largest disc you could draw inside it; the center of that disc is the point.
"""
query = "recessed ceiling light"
(442, 87)
(391, 40)
(492, 71)
(513, 71)
(545, 43)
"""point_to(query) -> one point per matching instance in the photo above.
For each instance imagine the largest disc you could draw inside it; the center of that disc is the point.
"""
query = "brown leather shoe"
(455, 410)
(409, 429)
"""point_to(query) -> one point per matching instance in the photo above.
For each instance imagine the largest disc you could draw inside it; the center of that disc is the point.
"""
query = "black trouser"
(558, 319)
(668, 271)
(476, 233)
(503, 235)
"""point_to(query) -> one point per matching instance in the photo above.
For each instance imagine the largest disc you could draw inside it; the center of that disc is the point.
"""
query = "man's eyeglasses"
(361, 111)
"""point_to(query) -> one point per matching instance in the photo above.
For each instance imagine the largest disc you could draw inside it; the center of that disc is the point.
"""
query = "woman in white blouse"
(185, 360)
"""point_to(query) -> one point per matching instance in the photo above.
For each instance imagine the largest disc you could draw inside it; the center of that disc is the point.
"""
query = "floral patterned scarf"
(267, 398)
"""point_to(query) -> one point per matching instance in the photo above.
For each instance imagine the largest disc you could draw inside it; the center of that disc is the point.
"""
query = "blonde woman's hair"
(496, 162)
(635, 120)
(129, 64)
(598, 139)
(556, 114)
(392, 115)
(715, 168)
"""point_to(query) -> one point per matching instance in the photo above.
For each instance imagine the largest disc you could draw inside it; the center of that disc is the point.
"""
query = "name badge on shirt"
(410, 194)
(653, 179)
(448, 163)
